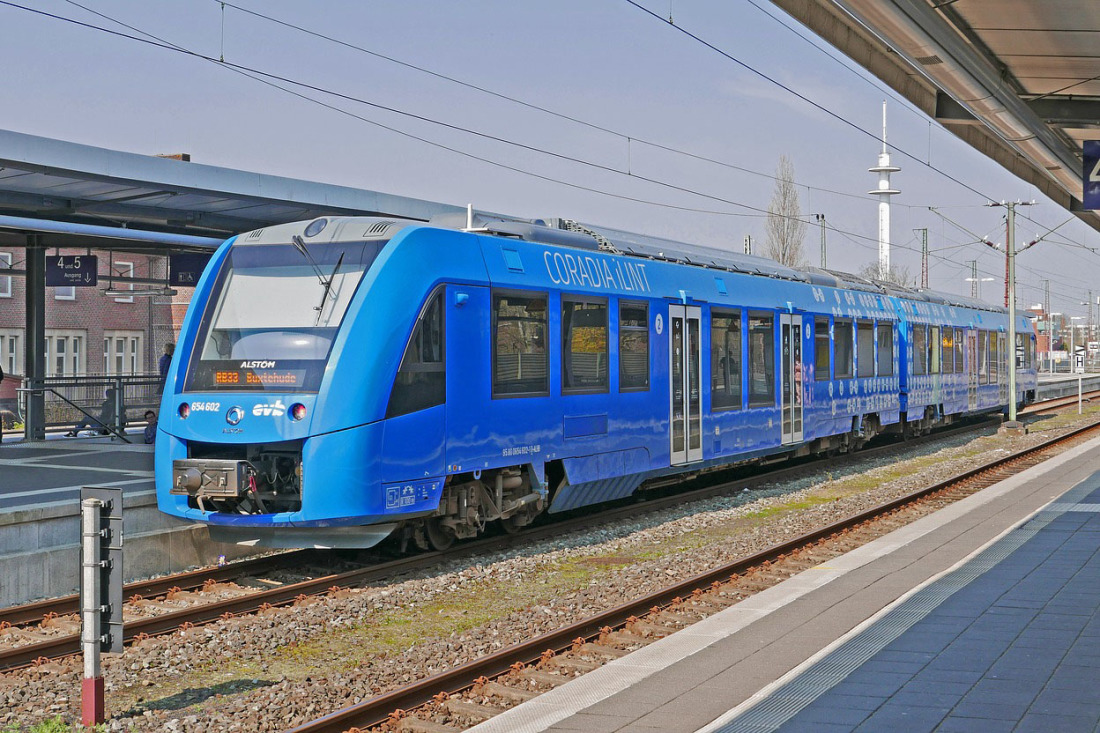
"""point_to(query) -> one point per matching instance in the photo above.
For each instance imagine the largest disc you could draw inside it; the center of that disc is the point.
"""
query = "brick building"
(87, 331)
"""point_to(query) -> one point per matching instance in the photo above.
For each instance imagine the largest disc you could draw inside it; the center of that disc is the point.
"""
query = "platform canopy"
(1019, 80)
(61, 181)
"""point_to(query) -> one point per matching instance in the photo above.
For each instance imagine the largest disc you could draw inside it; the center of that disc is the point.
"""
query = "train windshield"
(274, 313)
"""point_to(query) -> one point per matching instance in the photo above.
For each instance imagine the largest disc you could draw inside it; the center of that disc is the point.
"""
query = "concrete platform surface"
(980, 617)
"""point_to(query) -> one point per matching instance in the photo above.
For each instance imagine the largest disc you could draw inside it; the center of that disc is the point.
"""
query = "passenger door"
(791, 377)
(971, 370)
(685, 357)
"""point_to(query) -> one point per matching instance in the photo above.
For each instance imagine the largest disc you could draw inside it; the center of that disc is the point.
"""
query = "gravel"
(282, 667)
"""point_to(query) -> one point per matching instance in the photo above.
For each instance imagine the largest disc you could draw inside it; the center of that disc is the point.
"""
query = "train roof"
(570, 233)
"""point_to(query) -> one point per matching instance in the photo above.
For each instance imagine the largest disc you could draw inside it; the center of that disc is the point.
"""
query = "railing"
(69, 400)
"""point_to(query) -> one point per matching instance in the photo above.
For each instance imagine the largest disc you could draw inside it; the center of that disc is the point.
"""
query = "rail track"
(473, 692)
(49, 629)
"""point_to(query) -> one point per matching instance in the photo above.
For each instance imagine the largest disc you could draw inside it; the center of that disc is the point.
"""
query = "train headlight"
(297, 411)
(184, 411)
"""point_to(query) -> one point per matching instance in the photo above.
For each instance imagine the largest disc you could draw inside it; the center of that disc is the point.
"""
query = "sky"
(641, 127)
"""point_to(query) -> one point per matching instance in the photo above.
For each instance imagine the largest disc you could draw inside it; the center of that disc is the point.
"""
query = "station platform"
(980, 617)
(40, 486)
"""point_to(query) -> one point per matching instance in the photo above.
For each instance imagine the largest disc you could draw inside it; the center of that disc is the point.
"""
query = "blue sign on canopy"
(1091, 199)
(81, 271)
(184, 269)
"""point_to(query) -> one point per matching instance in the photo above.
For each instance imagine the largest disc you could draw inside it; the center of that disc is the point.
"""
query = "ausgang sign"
(81, 271)
(1091, 199)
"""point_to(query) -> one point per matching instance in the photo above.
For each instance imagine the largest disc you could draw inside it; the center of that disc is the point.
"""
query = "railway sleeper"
(506, 693)
(469, 709)
(626, 638)
(541, 678)
(650, 630)
(418, 725)
(600, 650)
(572, 664)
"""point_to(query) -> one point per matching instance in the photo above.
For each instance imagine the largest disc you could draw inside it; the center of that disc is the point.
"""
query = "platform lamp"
(975, 281)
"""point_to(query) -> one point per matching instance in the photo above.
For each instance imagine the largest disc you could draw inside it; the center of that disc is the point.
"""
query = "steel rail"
(62, 646)
(377, 710)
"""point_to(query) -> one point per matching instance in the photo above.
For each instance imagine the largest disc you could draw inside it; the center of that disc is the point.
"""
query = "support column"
(34, 356)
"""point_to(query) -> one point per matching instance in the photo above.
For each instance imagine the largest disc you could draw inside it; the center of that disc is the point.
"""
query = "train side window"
(947, 348)
(761, 359)
(519, 345)
(421, 380)
(1023, 351)
(934, 350)
(920, 350)
(843, 342)
(822, 357)
(865, 349)
(583, 344)
(959, 365)
(983, 363)
(725, 359)
(996, 352)
(633, 346)
(885, 349)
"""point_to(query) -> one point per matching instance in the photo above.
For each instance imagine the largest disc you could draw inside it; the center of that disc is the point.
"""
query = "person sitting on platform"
(107, 417)
(150, 427)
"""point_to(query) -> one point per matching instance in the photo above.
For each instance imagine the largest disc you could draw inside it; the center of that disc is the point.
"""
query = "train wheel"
(439, 537)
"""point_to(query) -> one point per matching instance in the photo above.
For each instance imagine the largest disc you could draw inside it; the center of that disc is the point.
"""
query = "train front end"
(252, 430)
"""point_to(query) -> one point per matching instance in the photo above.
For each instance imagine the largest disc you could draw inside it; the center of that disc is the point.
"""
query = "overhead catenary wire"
(756, 211)
(273, 79)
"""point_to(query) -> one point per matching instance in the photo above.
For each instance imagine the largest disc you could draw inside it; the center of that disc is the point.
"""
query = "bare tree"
(897, 275)
(785, 227)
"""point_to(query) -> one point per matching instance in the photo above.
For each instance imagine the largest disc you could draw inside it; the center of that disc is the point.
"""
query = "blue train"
(344, 379)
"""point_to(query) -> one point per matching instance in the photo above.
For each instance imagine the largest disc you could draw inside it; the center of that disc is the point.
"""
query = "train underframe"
(471, 501)
(265, 479)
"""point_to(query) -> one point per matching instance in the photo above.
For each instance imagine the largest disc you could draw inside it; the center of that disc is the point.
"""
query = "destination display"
(257, 376)
(292, 378)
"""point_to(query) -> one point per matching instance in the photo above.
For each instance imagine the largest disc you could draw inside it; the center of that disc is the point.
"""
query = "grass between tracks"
(464, 611)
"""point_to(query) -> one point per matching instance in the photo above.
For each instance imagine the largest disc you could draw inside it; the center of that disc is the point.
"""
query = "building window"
(64, 353)
(519, 345)
(633, 346)
(123, 270)
(761, 359)
(886, 349)
(76, 356)
(583, 345)
(5, 280)
(11, 358)
(823, 361)
(122, 352)
(865, 349)
(65, 293)
(725, 360)
(421, 380)
(843, 340)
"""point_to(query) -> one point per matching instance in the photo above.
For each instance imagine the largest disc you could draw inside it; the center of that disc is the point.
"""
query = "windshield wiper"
(301, 247)
(320, 308)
